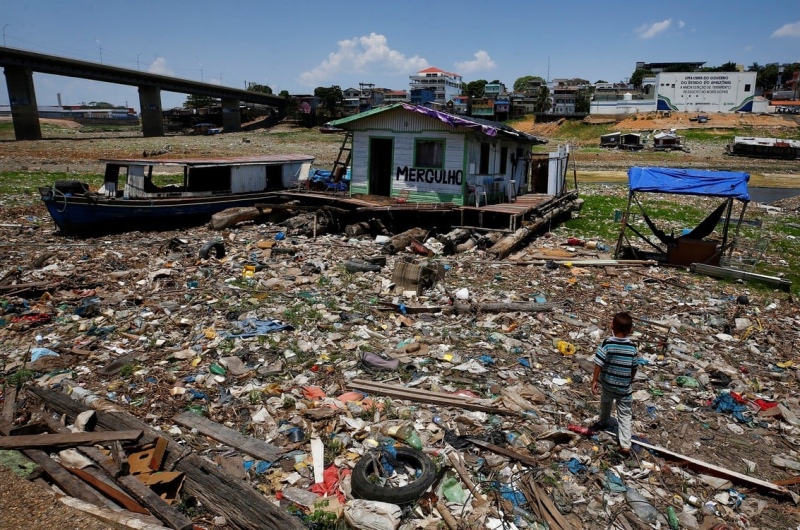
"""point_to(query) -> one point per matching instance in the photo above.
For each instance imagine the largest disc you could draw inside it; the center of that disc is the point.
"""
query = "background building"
(445, 85)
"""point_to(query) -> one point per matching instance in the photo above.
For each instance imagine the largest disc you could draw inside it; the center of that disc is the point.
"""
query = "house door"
(380, 166)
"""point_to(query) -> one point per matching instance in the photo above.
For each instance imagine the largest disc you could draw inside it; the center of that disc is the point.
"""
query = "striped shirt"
(616, 357)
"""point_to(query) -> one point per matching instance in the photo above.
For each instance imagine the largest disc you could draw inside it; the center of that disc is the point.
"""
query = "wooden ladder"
(344, 158)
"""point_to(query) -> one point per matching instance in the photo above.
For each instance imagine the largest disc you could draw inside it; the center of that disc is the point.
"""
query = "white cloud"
(159, 66)
(681, 24)
(648, 31)
(788, 30)
(366, 54)
(481, 63)
(748, 48)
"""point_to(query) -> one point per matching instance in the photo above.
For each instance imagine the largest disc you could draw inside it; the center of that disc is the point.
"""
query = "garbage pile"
(254, 377)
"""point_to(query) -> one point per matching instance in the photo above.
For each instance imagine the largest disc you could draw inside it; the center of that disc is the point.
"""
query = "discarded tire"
(364, 488)
(360, 265)
(216, 246)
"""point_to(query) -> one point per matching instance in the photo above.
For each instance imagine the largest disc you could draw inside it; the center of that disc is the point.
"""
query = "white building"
(447, 85)
(687, 92)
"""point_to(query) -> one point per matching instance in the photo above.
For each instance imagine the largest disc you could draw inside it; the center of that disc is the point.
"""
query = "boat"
(329, 129)
(132, 197)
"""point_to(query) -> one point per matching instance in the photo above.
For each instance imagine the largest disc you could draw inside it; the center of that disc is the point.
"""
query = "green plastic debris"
(216, 369)
(686, 381)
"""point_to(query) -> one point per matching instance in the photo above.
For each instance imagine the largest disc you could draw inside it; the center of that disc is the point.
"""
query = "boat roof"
(201, 162)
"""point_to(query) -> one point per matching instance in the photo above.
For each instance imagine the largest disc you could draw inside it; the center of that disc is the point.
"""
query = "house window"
(747, 87)
(503, 160)
(429, 153)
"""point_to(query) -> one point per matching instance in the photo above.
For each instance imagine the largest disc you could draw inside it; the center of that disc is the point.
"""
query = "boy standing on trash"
(615, 367)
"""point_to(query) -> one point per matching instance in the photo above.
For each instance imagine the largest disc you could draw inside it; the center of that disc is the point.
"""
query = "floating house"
(429, 156)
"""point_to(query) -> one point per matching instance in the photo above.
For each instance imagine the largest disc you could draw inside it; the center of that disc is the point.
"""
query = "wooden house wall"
(461, 164)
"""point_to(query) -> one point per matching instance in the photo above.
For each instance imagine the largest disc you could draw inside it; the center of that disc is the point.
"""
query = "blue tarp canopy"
(732, 184)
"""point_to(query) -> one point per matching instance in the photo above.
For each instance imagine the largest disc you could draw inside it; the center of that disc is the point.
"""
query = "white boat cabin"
(196, 177)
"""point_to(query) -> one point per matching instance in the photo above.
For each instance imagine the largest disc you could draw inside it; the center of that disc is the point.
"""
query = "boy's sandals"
(623, 451)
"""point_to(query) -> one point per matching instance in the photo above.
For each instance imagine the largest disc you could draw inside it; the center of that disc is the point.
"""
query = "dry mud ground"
(24, 505)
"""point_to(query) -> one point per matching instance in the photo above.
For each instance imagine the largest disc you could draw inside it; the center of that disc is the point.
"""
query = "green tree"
(291, 103)
(255, 87)
(198, 102)
(475, 88)
(730, 66)
(600, 81)
(100, 105)
(755, 67)
(330, 97)
(542, 104)
(582, 100)
(522, 83)
(638, 76)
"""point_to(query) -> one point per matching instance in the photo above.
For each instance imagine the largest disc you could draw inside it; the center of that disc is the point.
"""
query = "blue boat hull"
(88, 215)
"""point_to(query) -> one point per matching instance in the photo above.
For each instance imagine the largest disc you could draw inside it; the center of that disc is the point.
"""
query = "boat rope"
(57, 191)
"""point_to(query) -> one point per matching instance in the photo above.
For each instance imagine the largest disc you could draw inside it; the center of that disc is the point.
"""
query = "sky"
(298, 46)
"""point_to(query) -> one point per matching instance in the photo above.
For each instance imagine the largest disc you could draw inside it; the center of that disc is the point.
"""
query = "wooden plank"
(120, 520)
(109, 491)
(550, 507)
(154, 503)
(717, 470)
(242, 506)
(246, 444)
(35, 441)
(101, 459)
(525, 459)
(9, 409)
(423, 396)
(65, 480)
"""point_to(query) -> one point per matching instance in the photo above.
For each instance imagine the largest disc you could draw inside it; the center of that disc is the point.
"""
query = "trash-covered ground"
(331, 349)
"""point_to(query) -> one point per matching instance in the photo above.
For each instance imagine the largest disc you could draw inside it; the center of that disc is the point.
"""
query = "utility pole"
(101, 50)
(4, 34)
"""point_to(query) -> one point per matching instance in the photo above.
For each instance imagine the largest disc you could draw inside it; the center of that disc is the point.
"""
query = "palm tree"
(542, 104)
(755, 67)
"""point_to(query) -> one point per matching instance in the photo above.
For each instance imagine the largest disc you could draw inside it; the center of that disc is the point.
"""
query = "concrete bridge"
(19, 66)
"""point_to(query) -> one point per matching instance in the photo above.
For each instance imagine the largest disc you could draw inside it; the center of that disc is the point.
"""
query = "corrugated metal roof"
(488, 127)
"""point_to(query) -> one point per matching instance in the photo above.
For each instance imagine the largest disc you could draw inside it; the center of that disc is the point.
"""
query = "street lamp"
(4, 33)
(220, 77)
(101, 50)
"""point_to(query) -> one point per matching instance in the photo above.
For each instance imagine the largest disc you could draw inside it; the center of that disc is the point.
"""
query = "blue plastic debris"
(726, 403)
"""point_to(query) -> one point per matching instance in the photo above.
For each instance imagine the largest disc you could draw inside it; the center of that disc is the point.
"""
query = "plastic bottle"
(641, 506)
(691, 500)
(409, 435)
(672, 517)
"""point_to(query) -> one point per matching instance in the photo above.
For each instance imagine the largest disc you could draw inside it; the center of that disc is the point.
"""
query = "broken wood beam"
(113, 492)
(499, 307)
(525, 459)
(722, 272)
(717, 471)
(121, 520)
(246, 444)
(403, 239)
(65, 480)
(425, 396)
(157, 506)
(242, 506)
(35, 441)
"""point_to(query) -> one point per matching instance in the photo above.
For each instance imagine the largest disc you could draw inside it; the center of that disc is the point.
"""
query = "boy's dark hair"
(623, 323)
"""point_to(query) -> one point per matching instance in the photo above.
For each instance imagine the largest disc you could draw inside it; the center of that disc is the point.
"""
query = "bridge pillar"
(231, 117)
(152, 117)
(21, 95)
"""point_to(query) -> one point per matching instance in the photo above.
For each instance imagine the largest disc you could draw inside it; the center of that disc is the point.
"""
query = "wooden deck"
(504, 216)
(493, 216)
